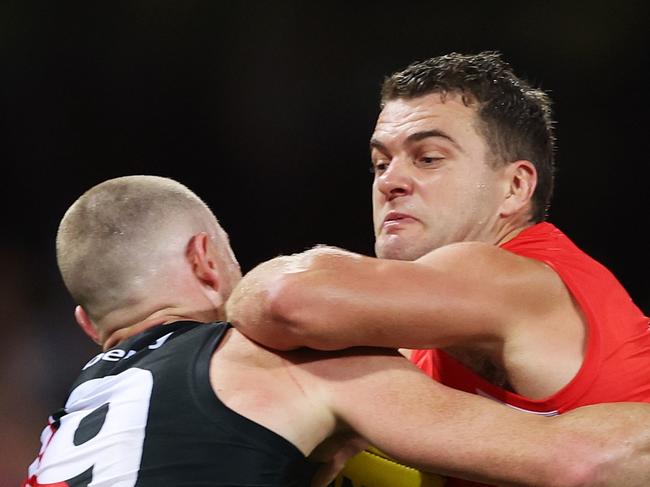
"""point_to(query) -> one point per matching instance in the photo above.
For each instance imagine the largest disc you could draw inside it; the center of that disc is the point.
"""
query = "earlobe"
(86, 325)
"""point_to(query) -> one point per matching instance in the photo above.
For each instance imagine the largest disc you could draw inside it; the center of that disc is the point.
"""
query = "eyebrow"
(417, 137)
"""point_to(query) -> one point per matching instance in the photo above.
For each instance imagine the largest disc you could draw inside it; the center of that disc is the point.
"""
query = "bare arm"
(331, 299)
(420, 422)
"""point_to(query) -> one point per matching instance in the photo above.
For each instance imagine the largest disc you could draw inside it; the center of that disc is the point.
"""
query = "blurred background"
(265, 110)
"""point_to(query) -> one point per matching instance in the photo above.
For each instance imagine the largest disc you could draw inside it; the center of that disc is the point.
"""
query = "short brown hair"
(515, 118)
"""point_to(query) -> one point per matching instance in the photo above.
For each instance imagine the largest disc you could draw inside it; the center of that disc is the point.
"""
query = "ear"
(202, 258)
(86, 325)
(521, 180)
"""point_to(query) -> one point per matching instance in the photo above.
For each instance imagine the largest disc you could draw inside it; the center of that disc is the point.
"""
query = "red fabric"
(616, 366)
(33, 482)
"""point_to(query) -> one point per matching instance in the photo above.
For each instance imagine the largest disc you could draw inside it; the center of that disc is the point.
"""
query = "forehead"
(402, 117)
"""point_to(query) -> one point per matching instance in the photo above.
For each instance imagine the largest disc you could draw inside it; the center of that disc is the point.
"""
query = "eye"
(428, 161)
(378, 167)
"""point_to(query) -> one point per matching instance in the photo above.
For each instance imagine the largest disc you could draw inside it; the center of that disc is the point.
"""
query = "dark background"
(265, 110)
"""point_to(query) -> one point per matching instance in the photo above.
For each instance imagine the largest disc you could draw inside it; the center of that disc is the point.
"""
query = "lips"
(395, 220)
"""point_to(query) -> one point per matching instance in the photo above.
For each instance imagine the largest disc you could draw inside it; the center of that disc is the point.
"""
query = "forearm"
(619, 438)
(330, 299)
(606, 445)
(485, 447)
(421, 423)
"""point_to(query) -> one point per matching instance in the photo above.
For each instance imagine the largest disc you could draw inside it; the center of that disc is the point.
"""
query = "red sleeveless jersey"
(616, 366)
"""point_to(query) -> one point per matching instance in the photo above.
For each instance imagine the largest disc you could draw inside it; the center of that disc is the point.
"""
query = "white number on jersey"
(101, 435)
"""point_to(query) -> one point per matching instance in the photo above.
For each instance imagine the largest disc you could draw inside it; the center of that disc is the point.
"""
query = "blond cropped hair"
(121, 235)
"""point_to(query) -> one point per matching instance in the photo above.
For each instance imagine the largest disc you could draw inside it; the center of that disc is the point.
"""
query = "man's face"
(433, 184)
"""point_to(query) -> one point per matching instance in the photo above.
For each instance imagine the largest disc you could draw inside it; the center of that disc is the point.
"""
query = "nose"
(396, 180)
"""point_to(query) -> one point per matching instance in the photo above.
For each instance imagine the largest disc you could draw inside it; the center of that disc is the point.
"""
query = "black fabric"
(191, 437)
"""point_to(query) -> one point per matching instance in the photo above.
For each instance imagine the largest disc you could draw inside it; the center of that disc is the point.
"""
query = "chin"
(394, 252)
(398, 249)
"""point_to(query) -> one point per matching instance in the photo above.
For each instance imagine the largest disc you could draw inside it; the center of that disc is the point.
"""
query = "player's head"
(452, 107)
(135, 245)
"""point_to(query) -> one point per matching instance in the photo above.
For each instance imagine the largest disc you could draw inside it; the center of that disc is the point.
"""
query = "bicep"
(454, 295)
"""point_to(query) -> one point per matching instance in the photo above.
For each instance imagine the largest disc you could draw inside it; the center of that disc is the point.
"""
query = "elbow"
(299, 315)
(281, 308)
(258, 309)
(264, 313)
(284, 312)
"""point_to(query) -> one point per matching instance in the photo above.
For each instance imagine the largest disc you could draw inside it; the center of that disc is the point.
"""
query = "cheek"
(376, 194)
(376, 205)
(449, 205)
(440, 197)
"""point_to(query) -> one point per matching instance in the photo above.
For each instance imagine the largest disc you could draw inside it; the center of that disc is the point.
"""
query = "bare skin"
(440, 212)
(324, 402)
(329, 404)
(378, 395)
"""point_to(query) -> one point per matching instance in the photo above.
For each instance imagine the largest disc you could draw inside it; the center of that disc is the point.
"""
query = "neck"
(509, 235)
(510, 230)
(115, 334)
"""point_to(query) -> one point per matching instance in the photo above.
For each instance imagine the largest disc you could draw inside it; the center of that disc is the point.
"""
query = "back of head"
(127, 235)
(514, 118)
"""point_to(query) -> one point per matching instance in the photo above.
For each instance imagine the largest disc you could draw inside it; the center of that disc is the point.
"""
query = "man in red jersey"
(178, 397)
(494, 300)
